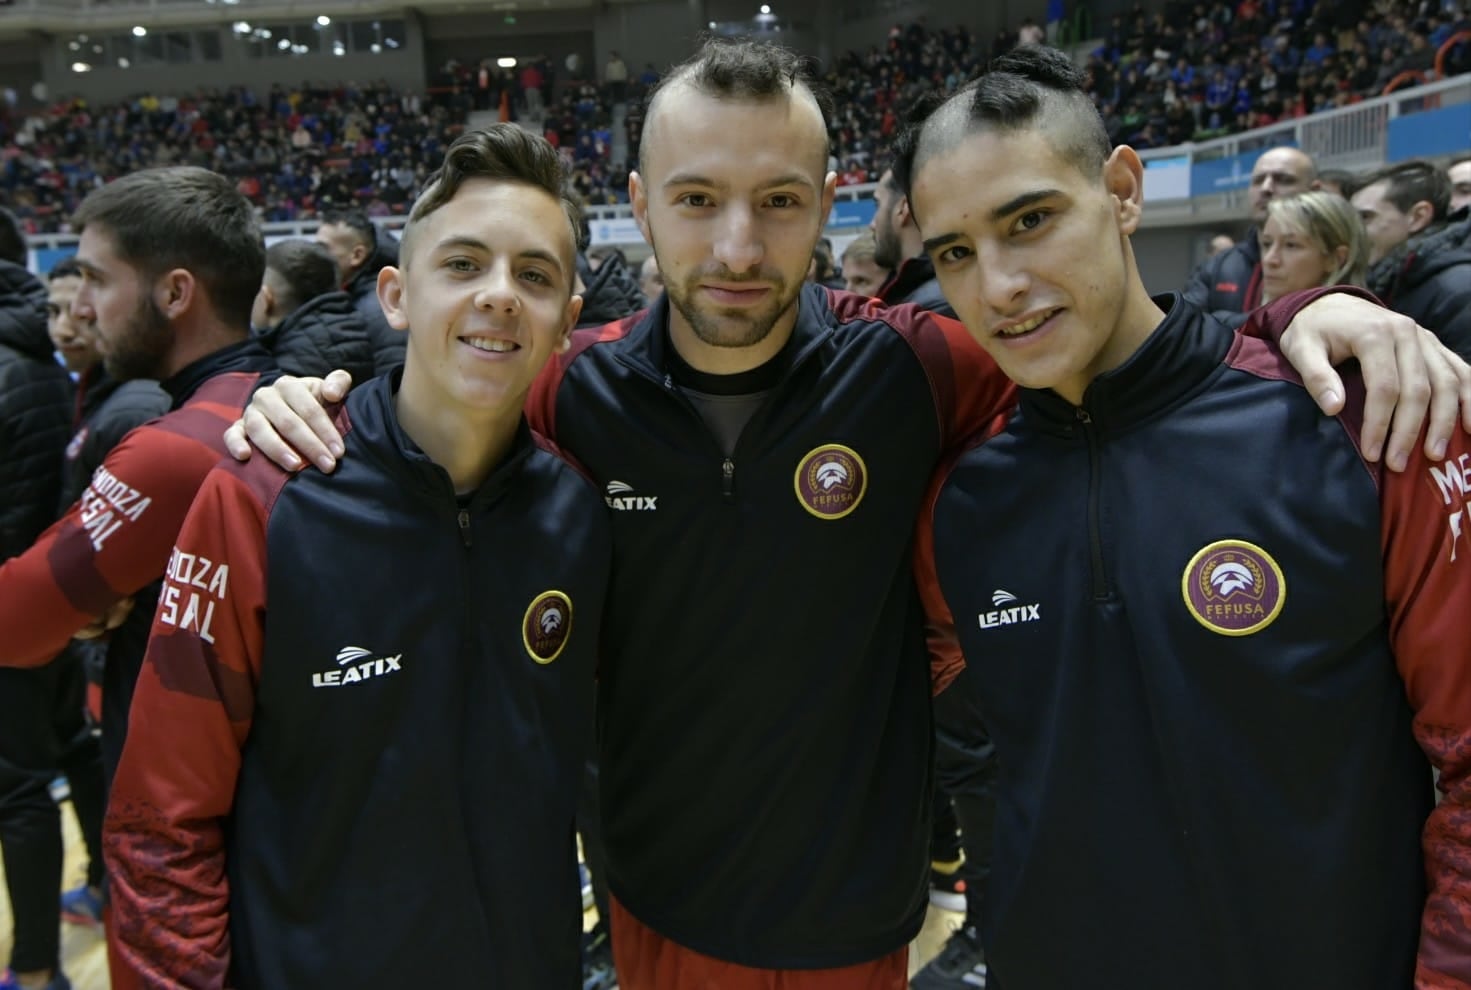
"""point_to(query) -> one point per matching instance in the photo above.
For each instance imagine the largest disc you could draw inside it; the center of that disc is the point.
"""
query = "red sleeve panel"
(115, 540)
(1427, 576)
(946, 660)
(1268, 322)
(970, 391)
(541, 402)
(164, 837)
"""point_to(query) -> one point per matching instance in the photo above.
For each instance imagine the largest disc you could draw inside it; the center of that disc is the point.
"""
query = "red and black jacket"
(764, 695)
(358, 738)
(1213, 647)
(114, 542)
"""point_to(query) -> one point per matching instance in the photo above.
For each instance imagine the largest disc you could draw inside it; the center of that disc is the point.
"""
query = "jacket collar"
(911, 276)
(646, 348)
(372, 414)
(1180, 355)
(243, 355)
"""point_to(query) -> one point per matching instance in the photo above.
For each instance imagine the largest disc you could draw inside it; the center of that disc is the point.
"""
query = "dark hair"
(740, 69)
(65, 268)
(306, 270)
(1025, 84)
(184, 217)
(12, 239)
(1347, 182)
(357, 221)
(501, 152)
(1408, 183)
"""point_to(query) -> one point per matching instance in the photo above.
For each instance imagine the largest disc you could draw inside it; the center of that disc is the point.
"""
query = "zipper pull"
(727, 477)
(669, 381)
(1084, 416)
(465, 526)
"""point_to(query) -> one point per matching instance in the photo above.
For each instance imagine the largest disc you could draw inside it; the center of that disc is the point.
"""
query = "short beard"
(141, 349)
(750, 329)
(887, 250)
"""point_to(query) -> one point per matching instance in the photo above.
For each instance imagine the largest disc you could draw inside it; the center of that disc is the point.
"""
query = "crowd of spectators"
(1190, 72)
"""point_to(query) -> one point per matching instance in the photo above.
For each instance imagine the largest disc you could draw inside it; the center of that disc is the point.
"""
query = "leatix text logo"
(355, 665)
(1008, 611)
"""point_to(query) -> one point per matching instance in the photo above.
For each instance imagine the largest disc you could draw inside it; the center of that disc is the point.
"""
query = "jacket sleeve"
(970, 390)
(1449, 318)
(35, 420)
(132, 405)
(164, 837)
(1426, 521)
(946, 660)
(112, 543)
(1269, 322)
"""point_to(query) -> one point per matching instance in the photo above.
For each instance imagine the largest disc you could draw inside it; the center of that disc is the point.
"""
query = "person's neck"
(468, 444)
(911, 241)
(199, 342)
(714, 360)
(1139, 319)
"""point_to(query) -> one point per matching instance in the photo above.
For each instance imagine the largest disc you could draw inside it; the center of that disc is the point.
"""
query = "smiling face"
(1036, 261)
(485, 293)
(732, 196)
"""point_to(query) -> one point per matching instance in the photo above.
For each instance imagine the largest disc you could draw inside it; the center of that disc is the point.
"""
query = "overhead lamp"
(139, 31)
(323, 20)
(81, 67)
(506, 62)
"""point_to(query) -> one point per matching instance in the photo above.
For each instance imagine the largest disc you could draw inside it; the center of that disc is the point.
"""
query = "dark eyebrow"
(1011, 206)
(1006, 209)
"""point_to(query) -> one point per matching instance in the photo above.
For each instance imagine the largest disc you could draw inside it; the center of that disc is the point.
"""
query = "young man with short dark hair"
(376, 788)
(304, 319)
(1214, 646)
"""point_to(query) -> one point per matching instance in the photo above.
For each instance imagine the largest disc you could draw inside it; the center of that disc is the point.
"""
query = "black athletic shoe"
(961, 965)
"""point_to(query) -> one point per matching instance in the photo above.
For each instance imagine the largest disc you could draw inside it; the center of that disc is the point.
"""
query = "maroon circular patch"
(547, 625)
(1234, 588)
(830, 481)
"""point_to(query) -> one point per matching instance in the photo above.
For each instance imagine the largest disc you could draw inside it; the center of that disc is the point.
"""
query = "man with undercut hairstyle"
(763, 445)
(361, 252)
(303, 319)
(376, 787)
(1213, 645)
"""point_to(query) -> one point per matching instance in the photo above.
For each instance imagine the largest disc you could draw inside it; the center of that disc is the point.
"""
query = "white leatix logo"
(354, 665)
(1008, 610)
(620, 495)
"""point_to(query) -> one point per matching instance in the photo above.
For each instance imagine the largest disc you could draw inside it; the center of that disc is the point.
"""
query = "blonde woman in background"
(1310, 240)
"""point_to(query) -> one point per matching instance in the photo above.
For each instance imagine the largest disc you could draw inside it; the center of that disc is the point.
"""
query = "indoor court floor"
(84, 957)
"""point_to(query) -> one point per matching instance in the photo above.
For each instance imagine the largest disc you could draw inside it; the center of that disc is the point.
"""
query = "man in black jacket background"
(361, 253)
(35, 420)
(304, 319)
(898, 246)
(1230, 282)
(1420, 262)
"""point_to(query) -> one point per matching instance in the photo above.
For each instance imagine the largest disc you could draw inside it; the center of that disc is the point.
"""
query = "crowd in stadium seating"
(1189, 73)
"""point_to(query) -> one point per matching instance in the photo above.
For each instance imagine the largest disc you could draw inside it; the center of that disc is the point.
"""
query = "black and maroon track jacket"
(359, 733)
(1213, 647)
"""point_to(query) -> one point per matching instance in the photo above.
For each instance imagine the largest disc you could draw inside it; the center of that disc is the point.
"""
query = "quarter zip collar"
(371, 412)
(1182, 353)
(243, 355)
